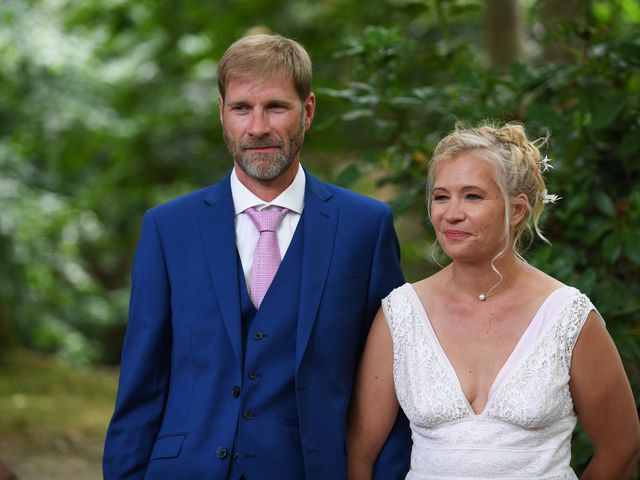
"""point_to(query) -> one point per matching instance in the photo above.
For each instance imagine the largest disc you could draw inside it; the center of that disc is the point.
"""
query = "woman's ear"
(519, 208)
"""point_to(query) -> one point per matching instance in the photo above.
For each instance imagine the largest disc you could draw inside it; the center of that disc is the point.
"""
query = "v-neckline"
(502, 373)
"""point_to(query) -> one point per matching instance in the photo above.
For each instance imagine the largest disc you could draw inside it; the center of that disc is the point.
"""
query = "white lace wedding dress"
(525, 429)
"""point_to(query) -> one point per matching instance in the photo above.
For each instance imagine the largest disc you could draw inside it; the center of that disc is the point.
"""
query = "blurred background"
(108, 107)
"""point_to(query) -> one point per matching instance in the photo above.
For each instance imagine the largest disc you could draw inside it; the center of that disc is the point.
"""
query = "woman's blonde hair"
(517, 166)
(266, 56)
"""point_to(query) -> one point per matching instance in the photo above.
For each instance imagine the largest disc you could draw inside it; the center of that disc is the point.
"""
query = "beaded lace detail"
(524, 431)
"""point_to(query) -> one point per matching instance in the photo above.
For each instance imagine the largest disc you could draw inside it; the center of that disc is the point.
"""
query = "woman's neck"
(481, 280)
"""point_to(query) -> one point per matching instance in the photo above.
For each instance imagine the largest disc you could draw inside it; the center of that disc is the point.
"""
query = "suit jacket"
(174, 415)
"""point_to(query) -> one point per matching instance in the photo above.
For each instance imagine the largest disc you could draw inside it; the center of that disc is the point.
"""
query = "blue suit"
(210, 388)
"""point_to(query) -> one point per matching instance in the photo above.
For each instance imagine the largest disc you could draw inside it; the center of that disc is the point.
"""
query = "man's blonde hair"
(265, 56)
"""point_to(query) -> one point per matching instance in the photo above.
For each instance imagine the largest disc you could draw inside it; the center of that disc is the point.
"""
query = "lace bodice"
(525, 429)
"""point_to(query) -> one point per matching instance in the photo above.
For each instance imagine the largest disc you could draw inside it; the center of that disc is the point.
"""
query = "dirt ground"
(62, 458)
(53, 418)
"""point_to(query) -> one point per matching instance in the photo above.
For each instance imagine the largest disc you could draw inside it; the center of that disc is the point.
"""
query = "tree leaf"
(611, 248)
(605, 204)
(357, 114)
(606, 110)
(631, 244)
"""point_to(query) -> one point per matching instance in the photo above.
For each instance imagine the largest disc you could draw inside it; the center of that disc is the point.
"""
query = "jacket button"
(253, 374)
(247, 415)
(258, 335)
(235, 391)
(221, 453)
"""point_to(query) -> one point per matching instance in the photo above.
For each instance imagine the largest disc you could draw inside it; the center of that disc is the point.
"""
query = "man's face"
(264, 122)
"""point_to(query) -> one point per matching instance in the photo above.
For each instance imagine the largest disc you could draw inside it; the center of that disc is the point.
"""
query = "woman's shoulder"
(542, 285)
(408, 300)
(417, 288)
(432, 285)
(569, 302)
(535, 287)
(534, 279)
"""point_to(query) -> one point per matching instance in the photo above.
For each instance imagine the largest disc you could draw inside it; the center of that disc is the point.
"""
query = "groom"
(251, 300)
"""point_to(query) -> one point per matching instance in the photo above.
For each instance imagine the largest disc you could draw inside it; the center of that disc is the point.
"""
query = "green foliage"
(109, 107)
(589, 104)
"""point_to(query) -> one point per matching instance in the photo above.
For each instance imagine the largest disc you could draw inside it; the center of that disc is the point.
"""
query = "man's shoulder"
(192, 200)
(348, 198)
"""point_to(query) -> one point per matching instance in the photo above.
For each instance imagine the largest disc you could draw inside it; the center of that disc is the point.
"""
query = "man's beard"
(266, 166)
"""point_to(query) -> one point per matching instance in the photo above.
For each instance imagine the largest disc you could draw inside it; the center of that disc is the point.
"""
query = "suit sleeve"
(146, 362)
(394, 459)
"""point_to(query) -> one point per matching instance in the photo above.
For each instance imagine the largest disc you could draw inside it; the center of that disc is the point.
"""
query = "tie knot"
(266, 220)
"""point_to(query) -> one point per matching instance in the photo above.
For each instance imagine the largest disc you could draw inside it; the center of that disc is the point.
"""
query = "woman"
(491, 358)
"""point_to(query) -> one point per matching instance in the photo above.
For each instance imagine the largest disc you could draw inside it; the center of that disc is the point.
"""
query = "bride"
(491, 359)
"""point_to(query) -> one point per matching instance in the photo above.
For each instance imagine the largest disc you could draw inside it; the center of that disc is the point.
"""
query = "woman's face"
(467, 209)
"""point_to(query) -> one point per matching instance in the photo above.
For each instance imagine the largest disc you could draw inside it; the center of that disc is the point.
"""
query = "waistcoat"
(267, 441)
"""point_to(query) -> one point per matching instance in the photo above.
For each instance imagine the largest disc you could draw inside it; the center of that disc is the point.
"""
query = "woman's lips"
(455, 234)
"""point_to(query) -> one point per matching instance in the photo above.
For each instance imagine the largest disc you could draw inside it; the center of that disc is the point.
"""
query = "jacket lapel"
(219, 239)
(320, 221)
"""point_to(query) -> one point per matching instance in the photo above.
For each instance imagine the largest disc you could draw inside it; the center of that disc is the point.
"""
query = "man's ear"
(221, 106)
(519, 209)
(309, 110)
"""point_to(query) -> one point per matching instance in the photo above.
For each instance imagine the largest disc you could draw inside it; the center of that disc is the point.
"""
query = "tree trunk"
(505, 34)
(7, 334)
(552, 13)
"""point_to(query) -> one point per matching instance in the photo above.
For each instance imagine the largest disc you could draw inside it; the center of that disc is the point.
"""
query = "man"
(231, 370)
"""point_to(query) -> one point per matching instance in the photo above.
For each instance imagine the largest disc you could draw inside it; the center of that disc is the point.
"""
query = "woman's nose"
(454, 211)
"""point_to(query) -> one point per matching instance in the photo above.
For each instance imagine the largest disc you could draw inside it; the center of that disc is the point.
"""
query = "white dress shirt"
(246, 232)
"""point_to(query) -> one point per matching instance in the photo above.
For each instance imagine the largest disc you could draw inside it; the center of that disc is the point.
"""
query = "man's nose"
(259, 125)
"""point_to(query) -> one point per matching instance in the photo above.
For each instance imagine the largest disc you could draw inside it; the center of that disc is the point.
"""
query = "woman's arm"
(374, 406)
(604, 403)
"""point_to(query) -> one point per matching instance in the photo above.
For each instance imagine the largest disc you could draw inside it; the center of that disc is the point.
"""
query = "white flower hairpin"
(549, 197)
(546, 164)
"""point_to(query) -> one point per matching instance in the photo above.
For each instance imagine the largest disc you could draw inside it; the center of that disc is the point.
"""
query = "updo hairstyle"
(516, 162)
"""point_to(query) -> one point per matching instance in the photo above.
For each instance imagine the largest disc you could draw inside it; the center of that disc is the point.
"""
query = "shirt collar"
(292, 198)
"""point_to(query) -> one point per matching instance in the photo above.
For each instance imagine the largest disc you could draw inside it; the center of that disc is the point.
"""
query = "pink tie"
(266, 256)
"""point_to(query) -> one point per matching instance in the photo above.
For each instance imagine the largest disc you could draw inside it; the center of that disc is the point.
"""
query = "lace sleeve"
(574, 317)
(393, 307)
(387, 309)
